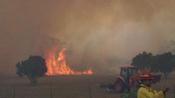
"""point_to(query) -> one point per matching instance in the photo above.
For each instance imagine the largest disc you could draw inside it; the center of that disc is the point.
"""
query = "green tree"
(165, 63)
(142, 60)
(34, 67)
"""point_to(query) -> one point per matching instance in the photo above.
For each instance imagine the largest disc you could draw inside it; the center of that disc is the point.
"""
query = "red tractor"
(123, 82)
(129, 79)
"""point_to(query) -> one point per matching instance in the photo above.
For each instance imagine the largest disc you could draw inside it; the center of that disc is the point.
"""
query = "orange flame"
(56, 64)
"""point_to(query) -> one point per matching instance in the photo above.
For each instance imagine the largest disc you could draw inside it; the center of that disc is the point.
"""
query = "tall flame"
(56, 64)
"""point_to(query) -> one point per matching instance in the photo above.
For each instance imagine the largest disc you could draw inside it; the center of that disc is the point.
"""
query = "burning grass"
(57, 65)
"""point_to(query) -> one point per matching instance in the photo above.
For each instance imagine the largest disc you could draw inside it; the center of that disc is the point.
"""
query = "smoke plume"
(103, 34)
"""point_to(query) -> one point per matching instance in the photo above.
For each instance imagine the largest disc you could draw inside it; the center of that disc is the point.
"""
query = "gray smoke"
(103, 34)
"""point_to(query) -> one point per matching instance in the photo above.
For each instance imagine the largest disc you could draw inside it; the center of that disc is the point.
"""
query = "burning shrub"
(34, 67)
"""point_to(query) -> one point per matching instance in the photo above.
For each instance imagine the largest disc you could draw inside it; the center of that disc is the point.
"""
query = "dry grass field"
(63, 87)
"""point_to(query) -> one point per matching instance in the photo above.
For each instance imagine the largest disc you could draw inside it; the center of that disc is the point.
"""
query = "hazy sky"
(95, 32)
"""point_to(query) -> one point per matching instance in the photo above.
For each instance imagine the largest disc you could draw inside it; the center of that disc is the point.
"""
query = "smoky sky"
(103, 33)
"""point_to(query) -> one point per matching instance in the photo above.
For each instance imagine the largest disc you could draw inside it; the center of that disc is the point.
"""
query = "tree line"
(163, 63)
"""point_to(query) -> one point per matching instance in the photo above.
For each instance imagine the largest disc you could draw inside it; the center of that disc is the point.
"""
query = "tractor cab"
(127, 71)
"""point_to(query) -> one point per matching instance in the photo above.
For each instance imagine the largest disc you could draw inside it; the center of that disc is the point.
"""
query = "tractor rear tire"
(119, 86)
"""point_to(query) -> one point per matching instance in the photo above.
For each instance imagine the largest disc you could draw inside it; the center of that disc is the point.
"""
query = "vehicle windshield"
(131, 71)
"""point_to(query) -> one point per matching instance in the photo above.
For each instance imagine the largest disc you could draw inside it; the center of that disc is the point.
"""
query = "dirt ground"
(62, 87)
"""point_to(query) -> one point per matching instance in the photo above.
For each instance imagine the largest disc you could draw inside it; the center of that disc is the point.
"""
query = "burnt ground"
(62, 87)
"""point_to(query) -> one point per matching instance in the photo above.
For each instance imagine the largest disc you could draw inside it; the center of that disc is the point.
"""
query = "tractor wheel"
(119, 86)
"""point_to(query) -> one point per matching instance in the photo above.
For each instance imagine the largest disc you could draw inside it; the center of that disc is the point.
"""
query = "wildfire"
(56, 64)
